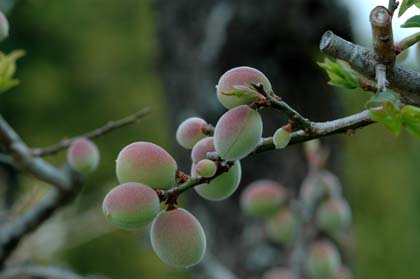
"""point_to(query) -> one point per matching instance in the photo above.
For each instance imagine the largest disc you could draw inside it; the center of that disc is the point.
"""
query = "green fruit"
(282, 227)
(262, 198)
(221, 187)
(83, 155)
(206, 168)
(281, 138)
(4, 26)
(323, 259)
(201, 148)
(147, 163)
(278, 273)
(342, 273)
(190, 131)
(333, 215)
(131, 205)
(178, 238)
(235, 87)
(237, 133)
(317, 185)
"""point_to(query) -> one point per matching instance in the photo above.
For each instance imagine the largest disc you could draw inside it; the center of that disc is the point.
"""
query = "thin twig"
(404, 81)
(108, 127)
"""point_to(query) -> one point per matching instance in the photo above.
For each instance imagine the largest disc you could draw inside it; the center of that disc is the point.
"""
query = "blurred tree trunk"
(199, 41)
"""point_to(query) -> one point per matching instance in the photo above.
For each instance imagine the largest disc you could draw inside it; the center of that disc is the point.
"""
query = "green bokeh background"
(90, 61)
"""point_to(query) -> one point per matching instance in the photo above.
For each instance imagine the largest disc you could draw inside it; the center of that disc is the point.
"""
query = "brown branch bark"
(402, 80)
(382, 35)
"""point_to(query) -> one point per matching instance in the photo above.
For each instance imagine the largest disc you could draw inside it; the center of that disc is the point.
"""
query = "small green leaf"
(411, 118)
(241, 91)
(406, 4)
(8, 69)
(340, 74)
(389, 116)
(412, 22)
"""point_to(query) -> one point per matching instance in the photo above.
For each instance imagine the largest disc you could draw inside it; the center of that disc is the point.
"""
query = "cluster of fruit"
(320, 212)
(148, 175)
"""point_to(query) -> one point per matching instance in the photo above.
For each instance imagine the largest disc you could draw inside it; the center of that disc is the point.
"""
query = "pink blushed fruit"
(282, 227)
(323, 259)
(131, 205)
(147, 163)
(83, 155)
(242, 78)
(237, 133)
(178, 238)
(201, 148)
(190, 131)
(262, 198)
(278, 273)
(206, 168)
(333, 214)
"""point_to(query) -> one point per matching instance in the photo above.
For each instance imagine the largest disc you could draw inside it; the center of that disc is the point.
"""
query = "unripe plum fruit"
(278, 273)
(323, 259)
(333, 214)
(237, 133)
(190, 131)
(282, 136)
(83, 155)
(178, 238)
(282, 227)
(221, 187)
(240, 78)
(206, 168)
(262, 198)
(131, 205)
(201, 148)
(4, 26)
(147, 163)
(342, 273)
(317, 185)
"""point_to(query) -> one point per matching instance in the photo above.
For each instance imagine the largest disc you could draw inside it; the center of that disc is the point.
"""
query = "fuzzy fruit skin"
(131, 205)
(200, 149)
(205, 168)
(83, 155)
(278, 273)
(333, 215)
(221, 187)
(190, 131)
(323, 259)
(342, 273)
(317, 185)
(240, 76)
(147, 163)
(4, 26)
(282, 227)
(281, 138)
(262, 198)
(237, 133)
(178, 238)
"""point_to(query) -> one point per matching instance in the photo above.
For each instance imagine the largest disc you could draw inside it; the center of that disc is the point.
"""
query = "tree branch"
(67, 182)
(35, 166)
(382, 36)
(322, 129)
(36, 271)
(108, 127)
(316, 130)
(402, 80)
